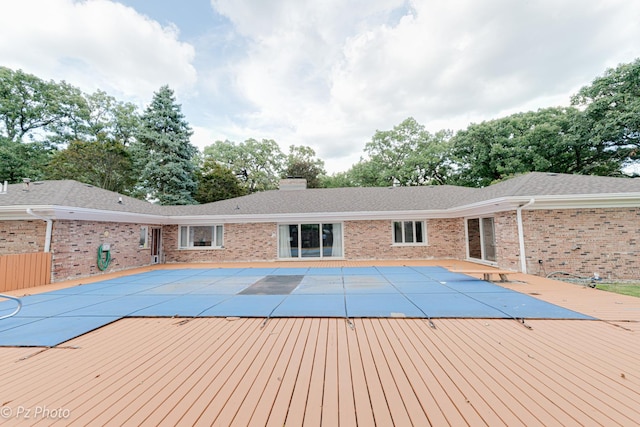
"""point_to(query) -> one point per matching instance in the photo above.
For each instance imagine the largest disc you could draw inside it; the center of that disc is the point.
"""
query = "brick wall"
(507, 242)
(242, 242)
(575, 241)
(75, 248)
(362, 240)
(373, 240)
(584, 241)
(21, 237)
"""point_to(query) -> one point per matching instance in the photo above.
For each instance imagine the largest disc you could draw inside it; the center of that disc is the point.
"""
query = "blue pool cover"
(52, 318)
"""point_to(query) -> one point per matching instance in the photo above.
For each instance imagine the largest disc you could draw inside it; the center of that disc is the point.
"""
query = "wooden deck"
(321, 372)
(302, 371)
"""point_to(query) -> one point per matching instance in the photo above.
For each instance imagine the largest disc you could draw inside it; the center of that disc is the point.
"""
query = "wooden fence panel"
(20, 271)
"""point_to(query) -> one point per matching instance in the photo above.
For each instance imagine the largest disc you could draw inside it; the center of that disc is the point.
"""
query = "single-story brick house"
(537, 223)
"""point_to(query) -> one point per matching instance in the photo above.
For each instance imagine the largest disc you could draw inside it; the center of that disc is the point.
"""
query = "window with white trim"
(200, 236)
(144, 237)
(409, 233)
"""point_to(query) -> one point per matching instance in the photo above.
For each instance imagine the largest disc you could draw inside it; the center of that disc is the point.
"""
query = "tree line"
(599, 134)
(52, 130)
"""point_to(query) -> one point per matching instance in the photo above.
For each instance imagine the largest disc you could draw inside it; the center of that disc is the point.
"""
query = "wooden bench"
(487, 274)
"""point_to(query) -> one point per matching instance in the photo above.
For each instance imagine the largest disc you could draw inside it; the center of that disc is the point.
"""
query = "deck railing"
(20, 271)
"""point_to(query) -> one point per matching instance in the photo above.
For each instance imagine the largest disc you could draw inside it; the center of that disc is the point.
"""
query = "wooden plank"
(4, 283)
(487, 274)
(46, 270)
(257, 404)
(393, 358)
(432, 396)
(467, 400)
(361, 392)
(482, 271)
(313, 410)
(23, 271)
(346, 401)
(160, 360)
(298, 404)
(558, 389)
(63, 376)
(251, 381)
(213, 391)
(35, 264)
(160, 384)
(218, 338)
(147, 357)
(378, 364)
(154, 372)
(13, 278)
(273, 408)
(497, 402)
(582, 381)
(533, 401)
(379, 404)
(331, 390)
(38, 276)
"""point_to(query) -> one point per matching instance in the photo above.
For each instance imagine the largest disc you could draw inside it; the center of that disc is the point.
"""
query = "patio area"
(333, 371)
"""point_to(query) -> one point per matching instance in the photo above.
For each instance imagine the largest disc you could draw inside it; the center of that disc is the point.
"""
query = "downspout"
(523, 257)
(47, 238)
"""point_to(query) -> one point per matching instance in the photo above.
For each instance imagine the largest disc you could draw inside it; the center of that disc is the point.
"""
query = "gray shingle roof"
(331, 200)
(71, 193)
(548, 184)
(368, 199)
(381, 199)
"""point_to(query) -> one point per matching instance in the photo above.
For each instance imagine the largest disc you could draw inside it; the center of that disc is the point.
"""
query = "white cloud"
(95, 44)
(477, 57)
(286, 73)
(328, 74)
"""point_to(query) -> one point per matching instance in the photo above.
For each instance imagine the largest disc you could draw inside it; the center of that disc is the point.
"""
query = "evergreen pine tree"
(165, 155)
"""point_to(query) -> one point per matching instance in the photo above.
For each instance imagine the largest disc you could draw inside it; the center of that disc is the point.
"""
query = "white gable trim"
(584, 201)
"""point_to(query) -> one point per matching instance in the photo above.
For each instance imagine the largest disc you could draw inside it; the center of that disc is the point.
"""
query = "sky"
(324, 74)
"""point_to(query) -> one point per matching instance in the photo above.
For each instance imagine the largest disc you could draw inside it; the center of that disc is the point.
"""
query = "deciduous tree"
(217, 182)
(36, 109)
(257, 164)
(106, 165)
(547, 140)
(22, 160)
(405, 155)
(303, 163)
(612, 112)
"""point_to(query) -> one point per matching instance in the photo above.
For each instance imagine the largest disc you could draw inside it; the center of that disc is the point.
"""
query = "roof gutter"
(523, 257)
(49, 221)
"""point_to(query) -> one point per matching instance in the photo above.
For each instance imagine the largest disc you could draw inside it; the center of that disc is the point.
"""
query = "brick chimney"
(293, 184)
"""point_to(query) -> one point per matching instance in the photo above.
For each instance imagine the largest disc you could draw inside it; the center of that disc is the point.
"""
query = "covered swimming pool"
(51, 318)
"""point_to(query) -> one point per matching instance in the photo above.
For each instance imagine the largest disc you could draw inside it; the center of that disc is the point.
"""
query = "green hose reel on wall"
(104, 256)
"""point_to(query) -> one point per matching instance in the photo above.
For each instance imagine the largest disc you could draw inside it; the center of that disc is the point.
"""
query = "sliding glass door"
(310, 245)
(314, 240)
(481, 240)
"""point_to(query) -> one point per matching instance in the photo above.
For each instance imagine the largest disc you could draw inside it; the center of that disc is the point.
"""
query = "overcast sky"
(328, 73)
